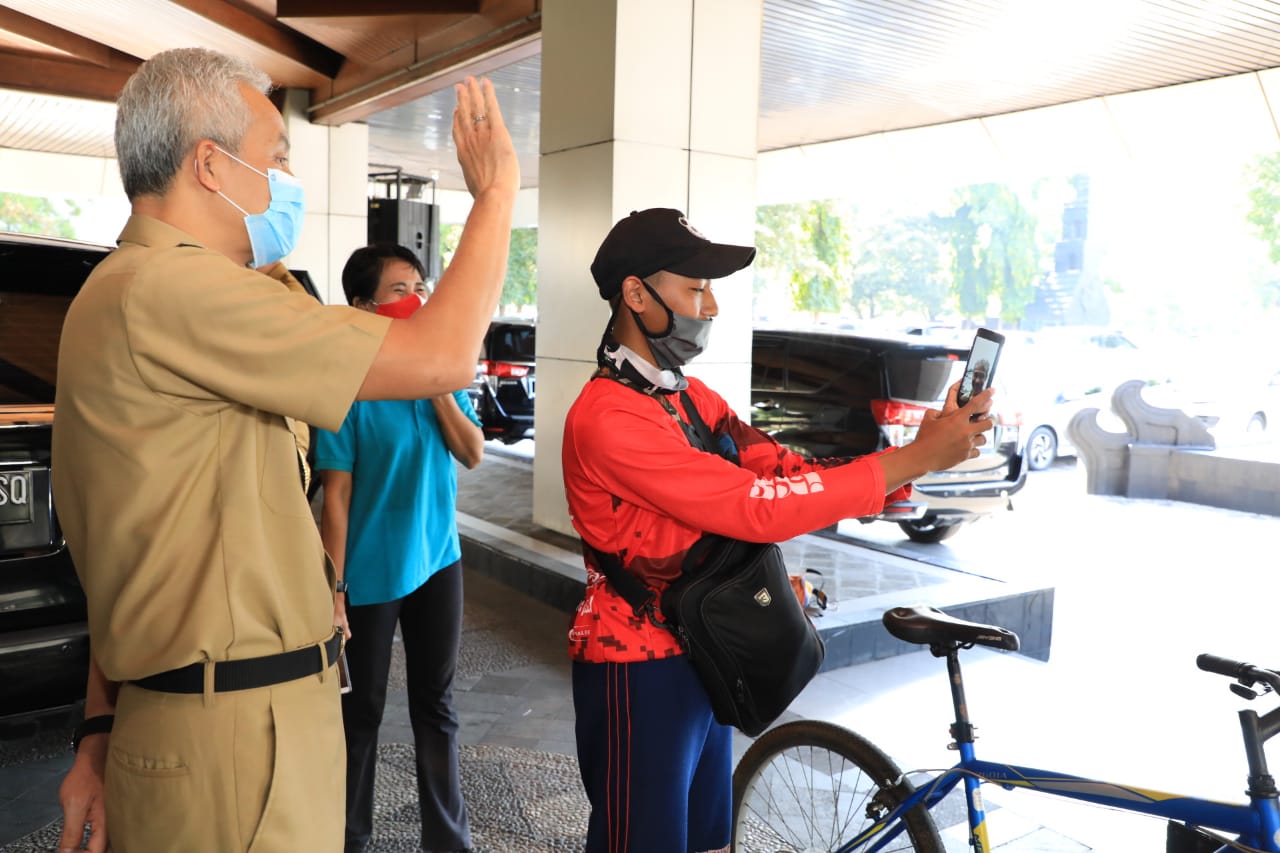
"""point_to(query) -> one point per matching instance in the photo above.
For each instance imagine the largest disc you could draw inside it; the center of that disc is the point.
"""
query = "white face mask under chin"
(669, 380)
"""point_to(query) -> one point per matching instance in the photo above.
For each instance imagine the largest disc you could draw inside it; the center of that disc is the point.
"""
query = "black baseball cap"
(661, 238)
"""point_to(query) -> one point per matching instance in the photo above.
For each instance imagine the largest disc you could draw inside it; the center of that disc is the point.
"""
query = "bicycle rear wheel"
(810, 787)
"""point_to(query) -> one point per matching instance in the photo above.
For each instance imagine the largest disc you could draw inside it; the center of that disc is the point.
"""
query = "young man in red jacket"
(656, 765)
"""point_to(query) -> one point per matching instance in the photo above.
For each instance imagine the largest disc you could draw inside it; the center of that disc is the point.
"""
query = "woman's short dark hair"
(363, 269)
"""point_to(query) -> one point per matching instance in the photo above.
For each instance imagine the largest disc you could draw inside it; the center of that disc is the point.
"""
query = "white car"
(1050, 376)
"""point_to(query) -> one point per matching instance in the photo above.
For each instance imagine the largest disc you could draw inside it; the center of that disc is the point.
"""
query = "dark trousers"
(656, 766)
(430, 620)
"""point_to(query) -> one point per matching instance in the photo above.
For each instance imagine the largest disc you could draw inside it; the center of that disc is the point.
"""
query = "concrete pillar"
(645, 103)
(332, 163)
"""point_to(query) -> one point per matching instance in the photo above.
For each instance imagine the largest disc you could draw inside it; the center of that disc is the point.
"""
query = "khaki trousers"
(259, 770)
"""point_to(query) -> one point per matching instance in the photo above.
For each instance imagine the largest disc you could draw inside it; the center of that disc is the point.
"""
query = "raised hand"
(485, 150)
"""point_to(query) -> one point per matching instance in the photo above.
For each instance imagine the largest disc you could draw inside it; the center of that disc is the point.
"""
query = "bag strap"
(695, 429)
(643, 600)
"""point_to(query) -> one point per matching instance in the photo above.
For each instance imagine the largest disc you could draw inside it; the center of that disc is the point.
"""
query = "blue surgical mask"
(274, 232)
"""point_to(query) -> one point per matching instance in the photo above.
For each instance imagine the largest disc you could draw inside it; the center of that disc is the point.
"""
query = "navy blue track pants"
(657, 767)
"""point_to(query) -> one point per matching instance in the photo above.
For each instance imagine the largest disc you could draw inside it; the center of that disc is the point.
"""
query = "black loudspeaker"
(413, 224)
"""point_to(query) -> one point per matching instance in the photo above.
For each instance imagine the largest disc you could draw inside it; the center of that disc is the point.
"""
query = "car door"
(811, 392)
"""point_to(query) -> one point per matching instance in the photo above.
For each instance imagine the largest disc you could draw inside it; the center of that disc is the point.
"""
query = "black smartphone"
(980, 371)
(344, 673)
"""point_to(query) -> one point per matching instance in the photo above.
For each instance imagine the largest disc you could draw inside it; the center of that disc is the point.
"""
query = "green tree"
(1264, 202)
(449, 237)
(520, 288)
(780, 244)
(807, 246)
(994, 251)
(28, 214)
(521, 285)
(900, 265)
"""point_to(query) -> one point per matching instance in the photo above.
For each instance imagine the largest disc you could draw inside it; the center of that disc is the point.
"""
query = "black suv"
(841, 394)
(44, 640)
(503, 391)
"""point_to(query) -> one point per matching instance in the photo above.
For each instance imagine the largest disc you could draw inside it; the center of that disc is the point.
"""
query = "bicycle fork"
(962, 732)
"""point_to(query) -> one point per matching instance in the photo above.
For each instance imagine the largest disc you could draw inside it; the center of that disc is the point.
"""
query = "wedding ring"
(480, 118)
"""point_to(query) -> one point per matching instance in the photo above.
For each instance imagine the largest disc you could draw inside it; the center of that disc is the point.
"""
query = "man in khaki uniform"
(188, 363)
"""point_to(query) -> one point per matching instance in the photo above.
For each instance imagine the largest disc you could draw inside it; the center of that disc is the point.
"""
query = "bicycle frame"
(1256, 824)
(1256, 828)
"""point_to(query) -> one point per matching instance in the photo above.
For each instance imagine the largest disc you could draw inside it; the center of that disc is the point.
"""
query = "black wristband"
(341, 587)
(91, 726)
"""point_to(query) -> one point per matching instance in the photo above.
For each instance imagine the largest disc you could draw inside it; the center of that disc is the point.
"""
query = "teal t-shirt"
(401, 527)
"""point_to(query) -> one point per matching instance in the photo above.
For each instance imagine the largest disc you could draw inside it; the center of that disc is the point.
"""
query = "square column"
(645, 103)
(332, 163)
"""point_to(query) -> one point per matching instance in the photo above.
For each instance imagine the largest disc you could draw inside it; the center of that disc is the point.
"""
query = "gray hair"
(171, 102)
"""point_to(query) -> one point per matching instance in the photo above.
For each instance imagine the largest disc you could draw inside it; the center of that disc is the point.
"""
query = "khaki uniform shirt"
(175, 468)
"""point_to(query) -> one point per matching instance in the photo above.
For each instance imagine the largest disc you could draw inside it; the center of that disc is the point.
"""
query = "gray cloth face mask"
(682, 342)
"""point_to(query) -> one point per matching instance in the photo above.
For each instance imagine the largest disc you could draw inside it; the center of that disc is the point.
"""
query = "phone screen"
(981, 368)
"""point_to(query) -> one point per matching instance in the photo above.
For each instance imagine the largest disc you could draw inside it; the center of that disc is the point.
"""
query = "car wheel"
(929, 529)
(1042, 448)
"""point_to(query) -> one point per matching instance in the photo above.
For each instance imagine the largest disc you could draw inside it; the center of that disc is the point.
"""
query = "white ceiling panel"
(831, 69)
(56, 125)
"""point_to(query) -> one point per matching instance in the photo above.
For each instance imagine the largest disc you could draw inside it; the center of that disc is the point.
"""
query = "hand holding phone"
(980, 370)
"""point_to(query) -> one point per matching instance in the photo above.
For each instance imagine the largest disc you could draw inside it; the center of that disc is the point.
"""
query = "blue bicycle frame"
(1256, 825)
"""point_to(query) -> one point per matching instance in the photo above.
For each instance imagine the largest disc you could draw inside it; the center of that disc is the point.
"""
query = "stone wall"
(1167, 454)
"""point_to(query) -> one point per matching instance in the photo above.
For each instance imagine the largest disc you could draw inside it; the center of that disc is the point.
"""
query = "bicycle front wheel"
(811, 787)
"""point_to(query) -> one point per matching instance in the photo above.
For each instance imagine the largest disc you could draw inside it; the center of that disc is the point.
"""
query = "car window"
(512, 343)
(37, 283)
(921, 374)
(768, 362)
(831, 365)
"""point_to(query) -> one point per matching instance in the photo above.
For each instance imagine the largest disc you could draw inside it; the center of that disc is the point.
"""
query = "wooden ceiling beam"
(365, 8)
(34, 29)
(48, 76)
(494, 49)
(271, 35)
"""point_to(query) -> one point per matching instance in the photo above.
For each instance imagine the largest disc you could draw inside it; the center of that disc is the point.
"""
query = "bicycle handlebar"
(1245, 673)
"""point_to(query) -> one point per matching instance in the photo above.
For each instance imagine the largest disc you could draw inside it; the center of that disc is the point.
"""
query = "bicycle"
(811, 786)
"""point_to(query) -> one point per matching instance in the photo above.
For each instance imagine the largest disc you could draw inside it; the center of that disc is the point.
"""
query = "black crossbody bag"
(734, 613)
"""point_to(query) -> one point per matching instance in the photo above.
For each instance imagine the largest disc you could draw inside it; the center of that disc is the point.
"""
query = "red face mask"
(402, 308)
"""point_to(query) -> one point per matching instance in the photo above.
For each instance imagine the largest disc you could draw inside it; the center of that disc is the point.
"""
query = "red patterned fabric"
(638, 489)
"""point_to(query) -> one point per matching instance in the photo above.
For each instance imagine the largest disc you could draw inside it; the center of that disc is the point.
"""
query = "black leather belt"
(248, 673)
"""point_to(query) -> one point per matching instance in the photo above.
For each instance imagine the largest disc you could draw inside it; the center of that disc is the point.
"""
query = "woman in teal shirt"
(390, 490)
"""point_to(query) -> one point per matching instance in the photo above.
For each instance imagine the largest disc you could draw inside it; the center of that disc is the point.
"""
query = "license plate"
(528, 386)
(15, 497)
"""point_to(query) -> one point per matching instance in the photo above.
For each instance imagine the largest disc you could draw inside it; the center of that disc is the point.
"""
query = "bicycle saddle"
(926, 625)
